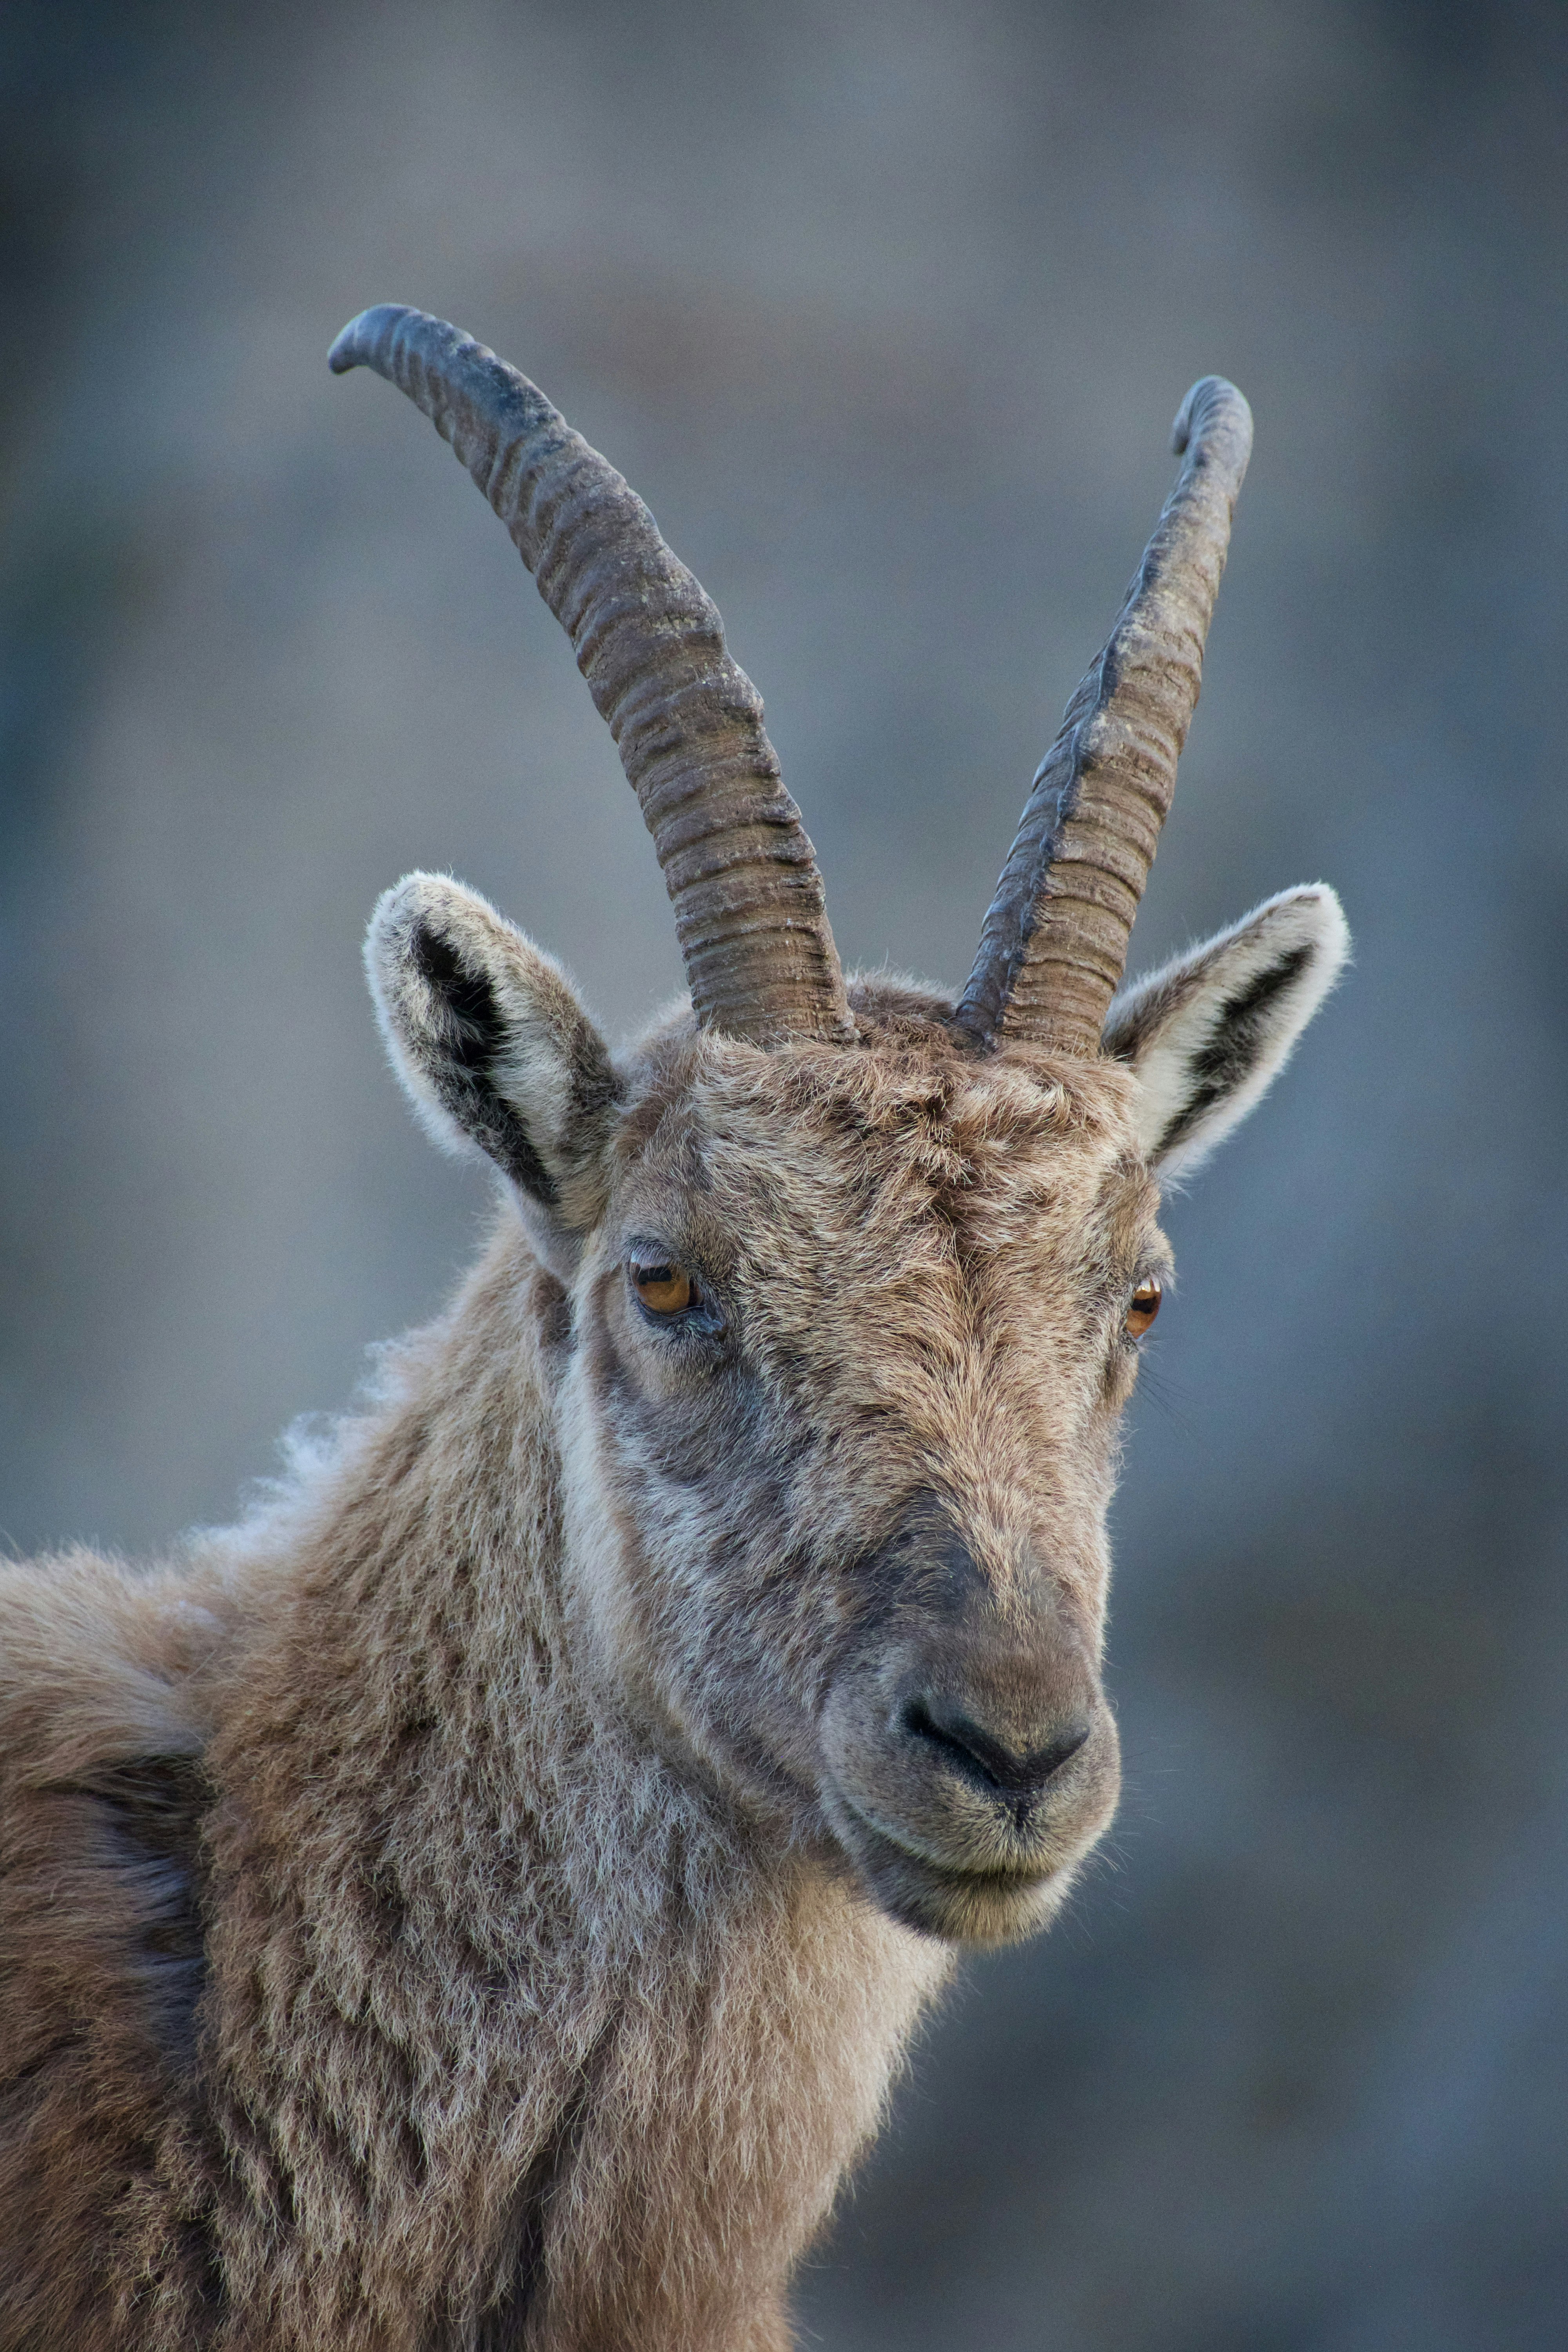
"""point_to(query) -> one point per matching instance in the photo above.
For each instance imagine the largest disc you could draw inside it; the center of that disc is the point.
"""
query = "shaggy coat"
(481, 1901)
(441, 1911)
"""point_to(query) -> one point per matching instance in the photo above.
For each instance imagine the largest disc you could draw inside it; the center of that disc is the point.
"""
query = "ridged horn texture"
(742, 876)
(1054, 943)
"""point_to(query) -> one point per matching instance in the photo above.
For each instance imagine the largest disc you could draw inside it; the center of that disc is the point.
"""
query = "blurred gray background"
(886, 309)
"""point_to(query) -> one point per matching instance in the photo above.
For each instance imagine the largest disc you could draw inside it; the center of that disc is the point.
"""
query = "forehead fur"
(905, 1123)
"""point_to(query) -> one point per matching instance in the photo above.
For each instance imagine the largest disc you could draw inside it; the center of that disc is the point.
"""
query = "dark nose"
(983, 1754)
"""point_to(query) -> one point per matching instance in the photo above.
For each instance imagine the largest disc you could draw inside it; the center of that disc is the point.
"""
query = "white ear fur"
(1210, 1031)
(492, 1046)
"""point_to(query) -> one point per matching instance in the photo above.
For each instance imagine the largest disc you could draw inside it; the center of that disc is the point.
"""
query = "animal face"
(851, 1328)
(840, 1468)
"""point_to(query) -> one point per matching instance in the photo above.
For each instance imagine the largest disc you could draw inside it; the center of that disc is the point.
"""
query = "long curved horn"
(1054, 941)
(741, 875)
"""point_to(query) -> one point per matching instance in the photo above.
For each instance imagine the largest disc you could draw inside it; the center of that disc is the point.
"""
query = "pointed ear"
(497, 1055)
(1210, 1032)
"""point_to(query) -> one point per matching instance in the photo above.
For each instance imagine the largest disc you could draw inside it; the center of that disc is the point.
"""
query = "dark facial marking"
(701, 1441)
(552, 1310)
(924, 1565)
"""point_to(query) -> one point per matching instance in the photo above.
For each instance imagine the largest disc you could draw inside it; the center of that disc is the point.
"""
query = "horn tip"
(351, 348)
(1211, 397)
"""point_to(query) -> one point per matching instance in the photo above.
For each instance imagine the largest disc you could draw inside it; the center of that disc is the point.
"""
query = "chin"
(981, 1908)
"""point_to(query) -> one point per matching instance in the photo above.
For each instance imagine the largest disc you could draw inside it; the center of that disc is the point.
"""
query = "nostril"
(1046, 1761)
(921, 1723)
(979, 1754)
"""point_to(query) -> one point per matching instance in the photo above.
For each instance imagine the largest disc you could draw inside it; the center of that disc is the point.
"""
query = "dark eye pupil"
(1144, 1307)
(664, 1289)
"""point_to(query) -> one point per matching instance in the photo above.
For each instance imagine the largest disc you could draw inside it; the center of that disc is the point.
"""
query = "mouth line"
(999, 1879)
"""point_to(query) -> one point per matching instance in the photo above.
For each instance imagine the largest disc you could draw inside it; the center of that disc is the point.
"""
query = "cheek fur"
(696, 1612)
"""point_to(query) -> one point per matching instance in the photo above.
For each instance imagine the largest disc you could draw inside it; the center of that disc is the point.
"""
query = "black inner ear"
(1227, 1061)
(461, 1066)
(478, 1030)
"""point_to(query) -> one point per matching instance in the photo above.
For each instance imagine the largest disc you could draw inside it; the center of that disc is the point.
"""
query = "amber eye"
(1143, 1308)
(664, 1289)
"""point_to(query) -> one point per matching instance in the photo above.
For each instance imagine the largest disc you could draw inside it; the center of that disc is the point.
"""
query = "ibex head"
(851, 1278)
